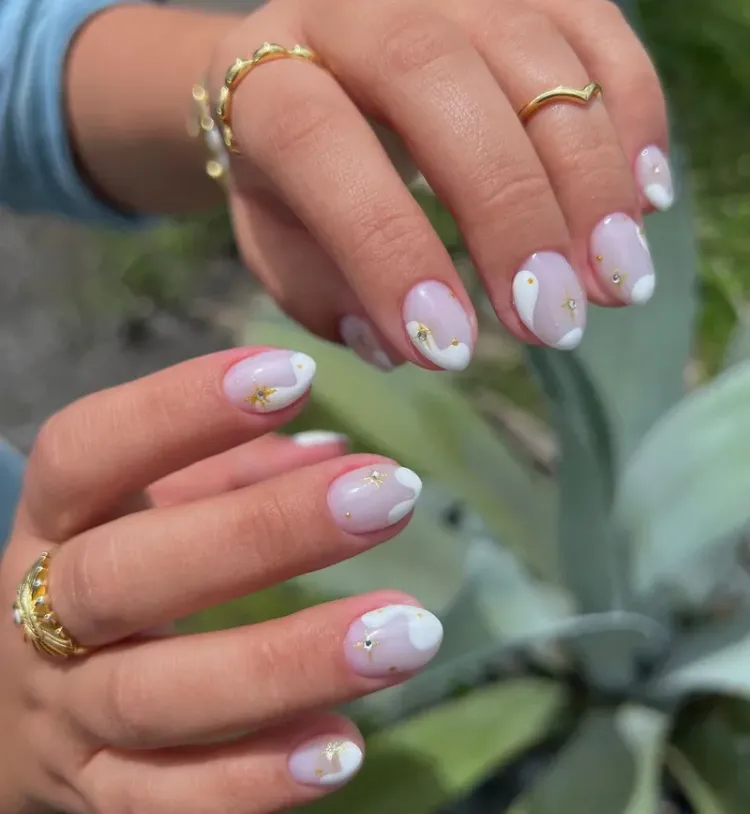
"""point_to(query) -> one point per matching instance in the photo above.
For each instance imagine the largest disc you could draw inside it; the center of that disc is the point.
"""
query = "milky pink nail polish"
(269, 381)
(550, 301)
(621, 258)
(438, 326)
(359, 335)
(654, 177)
(372, 498)
(393, 639)
(325, 762)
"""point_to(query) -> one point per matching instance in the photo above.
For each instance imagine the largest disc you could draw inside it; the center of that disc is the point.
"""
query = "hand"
(550, 211)
(150, 723)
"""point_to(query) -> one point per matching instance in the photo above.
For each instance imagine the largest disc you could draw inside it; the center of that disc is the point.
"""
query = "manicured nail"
(621, 258)
(325, 762)
(318, 438)
(360, 336)
(394, 639)
(550, 301)
(269, 381)
(654, 177)
(438, 326)
(372, 498)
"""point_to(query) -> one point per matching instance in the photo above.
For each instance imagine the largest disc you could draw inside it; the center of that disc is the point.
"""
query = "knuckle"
(125, 708)
(383, 234)
(502, 190)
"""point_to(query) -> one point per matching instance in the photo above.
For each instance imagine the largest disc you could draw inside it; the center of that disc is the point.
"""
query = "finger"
(249, 463)
(301, 277)
(332, 171)
(107, 446)
(605, 43)
(420, 72)
(144, 696)
(151, 567)
(579, 146)
(270, 771)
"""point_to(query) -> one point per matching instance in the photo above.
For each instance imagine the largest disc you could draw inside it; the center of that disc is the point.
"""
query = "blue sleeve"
(37, 169)
(11, 477)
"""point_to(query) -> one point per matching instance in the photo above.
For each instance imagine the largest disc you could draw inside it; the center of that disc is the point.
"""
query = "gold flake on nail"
(454, 342)
(422, 332)
(599, 258)
(452, 294)
(261, 396)
(618, 277)
(375, 477)
(571, 304)
(368, 645)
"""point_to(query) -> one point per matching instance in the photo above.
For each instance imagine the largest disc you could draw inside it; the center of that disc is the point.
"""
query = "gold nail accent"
(261, 396)
(454, 342)
(375, 477)
(599, 258)
(348, 514)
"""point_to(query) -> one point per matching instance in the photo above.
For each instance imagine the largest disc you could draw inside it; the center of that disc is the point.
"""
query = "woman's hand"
(550, 211)
(155, 502)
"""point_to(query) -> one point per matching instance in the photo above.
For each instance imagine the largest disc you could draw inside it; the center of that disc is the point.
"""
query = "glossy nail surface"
(621, 257)
(269, 381)
(372, 498)
(359, 335)
(318, 438)
(438, 326)
(550, 301)
(654, 177)
(325, 762)
(393, 639)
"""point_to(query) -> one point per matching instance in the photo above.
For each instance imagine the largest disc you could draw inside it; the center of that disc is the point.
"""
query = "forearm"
(128, 84)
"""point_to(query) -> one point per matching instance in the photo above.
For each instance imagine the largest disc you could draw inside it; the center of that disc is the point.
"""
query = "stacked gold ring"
(268, 52)
(33, 612)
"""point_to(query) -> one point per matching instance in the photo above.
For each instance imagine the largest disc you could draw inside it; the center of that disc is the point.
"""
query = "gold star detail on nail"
(618, 277)
(332, 754)
(422, 332)
(261, 396)
(571, 304)
(368, 645)
(375, 477)
(599, 258)
(454, 342)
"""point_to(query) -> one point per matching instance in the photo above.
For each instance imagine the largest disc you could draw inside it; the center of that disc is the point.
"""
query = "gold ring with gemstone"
(268, 52)
(560, 94)
(33, 612)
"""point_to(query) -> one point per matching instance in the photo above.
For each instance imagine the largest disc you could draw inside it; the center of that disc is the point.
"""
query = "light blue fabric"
(11, 476)
(37, 170)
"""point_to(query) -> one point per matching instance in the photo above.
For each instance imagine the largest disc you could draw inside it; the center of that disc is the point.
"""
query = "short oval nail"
(318, 438)
(393, 639)
(372, 498)
(269, 381)
(438, 326)
(360, 336)
(325, 762)
(654, 177)
(550, 301)
(622, 259)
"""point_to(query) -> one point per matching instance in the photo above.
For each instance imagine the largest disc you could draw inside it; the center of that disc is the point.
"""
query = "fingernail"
(269, 381)
(317, 438)
(654, 177)
(621, 258)
(393, 639)
(325, 762)
(438, 326)
(550, 301)
(358, 335)
(372, 498)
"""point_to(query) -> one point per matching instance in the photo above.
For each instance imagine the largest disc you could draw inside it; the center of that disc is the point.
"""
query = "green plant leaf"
(713, 738)
(713, 659)
(424, 421)
(696, 790)
(684, 493)
(611, 764)
(425, 762)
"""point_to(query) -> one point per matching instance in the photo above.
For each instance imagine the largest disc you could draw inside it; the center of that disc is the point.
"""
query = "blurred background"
(86, 309)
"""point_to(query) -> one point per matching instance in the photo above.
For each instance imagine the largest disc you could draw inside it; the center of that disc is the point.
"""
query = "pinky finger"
(270, 771)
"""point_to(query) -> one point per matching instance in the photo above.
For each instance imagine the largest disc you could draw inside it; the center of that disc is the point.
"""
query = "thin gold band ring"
(33, 612)
(268, 52)
(560, 94)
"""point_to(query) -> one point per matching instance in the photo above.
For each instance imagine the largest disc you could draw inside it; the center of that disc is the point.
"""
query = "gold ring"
(559, 94)
(32, 611)
(268, 52)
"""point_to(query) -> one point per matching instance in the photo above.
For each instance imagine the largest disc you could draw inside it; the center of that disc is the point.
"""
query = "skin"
(179, 511)
(320, 213)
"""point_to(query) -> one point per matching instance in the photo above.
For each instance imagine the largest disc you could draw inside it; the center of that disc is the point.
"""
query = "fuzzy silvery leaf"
(422, 420)
(685, 491)
(611, 764)
(715, 659)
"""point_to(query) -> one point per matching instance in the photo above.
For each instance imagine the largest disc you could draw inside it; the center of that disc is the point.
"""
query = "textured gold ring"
(33, 612)
(268, 52)
(559, 94)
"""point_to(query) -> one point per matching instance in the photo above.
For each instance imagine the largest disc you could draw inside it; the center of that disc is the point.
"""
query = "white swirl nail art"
(326, 763)
(424, 629)
(412, 481)
(269, 381)
(453, 357)
(526, 295)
